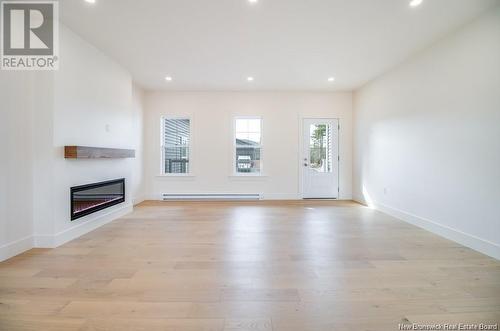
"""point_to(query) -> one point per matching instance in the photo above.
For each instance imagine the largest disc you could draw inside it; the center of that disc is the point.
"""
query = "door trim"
(301, 149)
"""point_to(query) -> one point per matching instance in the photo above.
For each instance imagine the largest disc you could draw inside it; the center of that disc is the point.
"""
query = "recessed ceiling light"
(90, 1)
(253, 1)
(250, 79)
(168, 79)
(415, 3)
(331, 79)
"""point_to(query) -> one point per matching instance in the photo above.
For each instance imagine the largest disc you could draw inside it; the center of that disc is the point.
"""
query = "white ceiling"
(284, 44)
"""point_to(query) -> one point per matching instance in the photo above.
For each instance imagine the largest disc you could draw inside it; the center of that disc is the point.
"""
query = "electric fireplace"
(88, 199)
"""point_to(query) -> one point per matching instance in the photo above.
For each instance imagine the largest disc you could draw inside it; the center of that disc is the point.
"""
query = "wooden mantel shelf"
(84, 152)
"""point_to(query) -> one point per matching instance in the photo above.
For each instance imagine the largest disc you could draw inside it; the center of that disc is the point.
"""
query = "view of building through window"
(248, 145)
(176, 134)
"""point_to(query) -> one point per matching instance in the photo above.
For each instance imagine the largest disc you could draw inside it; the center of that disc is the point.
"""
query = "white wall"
(429, 134)
(137, 183)
(212, 114)
(16, 148)
(43, 152)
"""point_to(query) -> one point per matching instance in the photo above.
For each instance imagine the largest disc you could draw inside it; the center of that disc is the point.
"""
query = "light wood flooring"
(282, 266)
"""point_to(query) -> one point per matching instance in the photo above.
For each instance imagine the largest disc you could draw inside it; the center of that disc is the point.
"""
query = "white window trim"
(162, 145)
(234, 173)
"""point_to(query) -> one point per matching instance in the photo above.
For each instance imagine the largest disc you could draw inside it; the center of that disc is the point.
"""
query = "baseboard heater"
(194, 197)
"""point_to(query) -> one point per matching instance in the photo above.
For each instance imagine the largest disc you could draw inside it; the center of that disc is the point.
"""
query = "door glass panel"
(320, 142)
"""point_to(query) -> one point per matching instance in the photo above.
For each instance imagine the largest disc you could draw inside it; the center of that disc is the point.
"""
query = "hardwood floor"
(282, 266)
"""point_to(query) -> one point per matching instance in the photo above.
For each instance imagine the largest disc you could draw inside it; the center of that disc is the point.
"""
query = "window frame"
(234, 173)
(163, 118)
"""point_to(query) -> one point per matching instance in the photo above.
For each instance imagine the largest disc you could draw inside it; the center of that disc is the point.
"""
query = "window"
(248, 146)
(176, 133)
(320, 142)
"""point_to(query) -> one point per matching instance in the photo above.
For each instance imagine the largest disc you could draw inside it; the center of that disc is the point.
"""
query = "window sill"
(176, 175)
(248, 176)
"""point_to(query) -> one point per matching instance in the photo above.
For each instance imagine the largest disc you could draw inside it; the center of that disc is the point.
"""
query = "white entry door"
(320, 159)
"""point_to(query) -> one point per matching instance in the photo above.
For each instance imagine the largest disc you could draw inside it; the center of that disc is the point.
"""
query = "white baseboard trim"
(263, 196)
(210, 197)
(48, 241)
(280, 196)
(137, 200)
(15, 248)
(358, 199)
(43, 241)
(478, 244)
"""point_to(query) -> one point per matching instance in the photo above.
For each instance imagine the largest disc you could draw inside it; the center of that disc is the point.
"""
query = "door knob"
(305, 164)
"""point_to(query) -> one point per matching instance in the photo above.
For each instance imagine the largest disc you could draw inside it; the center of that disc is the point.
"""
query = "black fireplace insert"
(88, 199)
